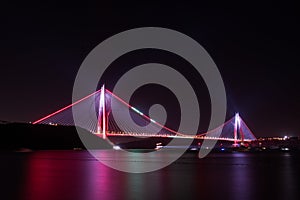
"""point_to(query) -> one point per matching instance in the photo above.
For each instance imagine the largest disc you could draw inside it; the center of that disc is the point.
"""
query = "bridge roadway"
(151, 141)
(143, 135)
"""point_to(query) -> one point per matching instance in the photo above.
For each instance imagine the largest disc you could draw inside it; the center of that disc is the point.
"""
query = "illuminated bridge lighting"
(136, 110)
(233, 130)
(152, 120)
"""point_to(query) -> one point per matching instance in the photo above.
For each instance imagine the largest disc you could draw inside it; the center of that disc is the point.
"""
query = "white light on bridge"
(136, 110)
(152, 120)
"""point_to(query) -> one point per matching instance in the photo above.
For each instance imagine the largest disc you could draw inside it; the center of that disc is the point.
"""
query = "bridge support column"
(101, 129)
(236, 127)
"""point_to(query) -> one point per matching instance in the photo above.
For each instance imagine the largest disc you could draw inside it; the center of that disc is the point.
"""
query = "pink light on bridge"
(107, 127)
(65, 108)
(145, 116)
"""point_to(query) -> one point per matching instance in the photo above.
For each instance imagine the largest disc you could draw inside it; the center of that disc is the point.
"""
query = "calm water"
(75, 175)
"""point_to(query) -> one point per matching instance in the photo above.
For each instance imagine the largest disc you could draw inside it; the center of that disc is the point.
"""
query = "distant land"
(18, 136)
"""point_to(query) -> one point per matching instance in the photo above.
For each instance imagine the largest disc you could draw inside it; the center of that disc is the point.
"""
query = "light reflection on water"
(77, 175)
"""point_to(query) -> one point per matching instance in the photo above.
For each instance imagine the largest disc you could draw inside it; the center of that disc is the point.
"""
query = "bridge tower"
(237, 126)
(101, 126)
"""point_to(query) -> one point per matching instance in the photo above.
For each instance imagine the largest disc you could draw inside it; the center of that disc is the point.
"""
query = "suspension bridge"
(107, 124)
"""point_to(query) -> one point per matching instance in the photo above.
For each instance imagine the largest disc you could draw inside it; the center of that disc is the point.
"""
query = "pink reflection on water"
(70, 176)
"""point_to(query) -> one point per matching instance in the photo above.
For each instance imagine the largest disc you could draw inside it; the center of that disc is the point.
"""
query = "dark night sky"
(256, 48)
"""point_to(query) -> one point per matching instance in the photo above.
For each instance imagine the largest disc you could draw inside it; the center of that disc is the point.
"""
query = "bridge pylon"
(236, 130)
(102, 121)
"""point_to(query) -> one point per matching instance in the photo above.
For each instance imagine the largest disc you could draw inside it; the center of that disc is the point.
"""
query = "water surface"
(44, 175)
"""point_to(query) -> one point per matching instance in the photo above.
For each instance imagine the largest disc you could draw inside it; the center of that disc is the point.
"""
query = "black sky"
(256, 48)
